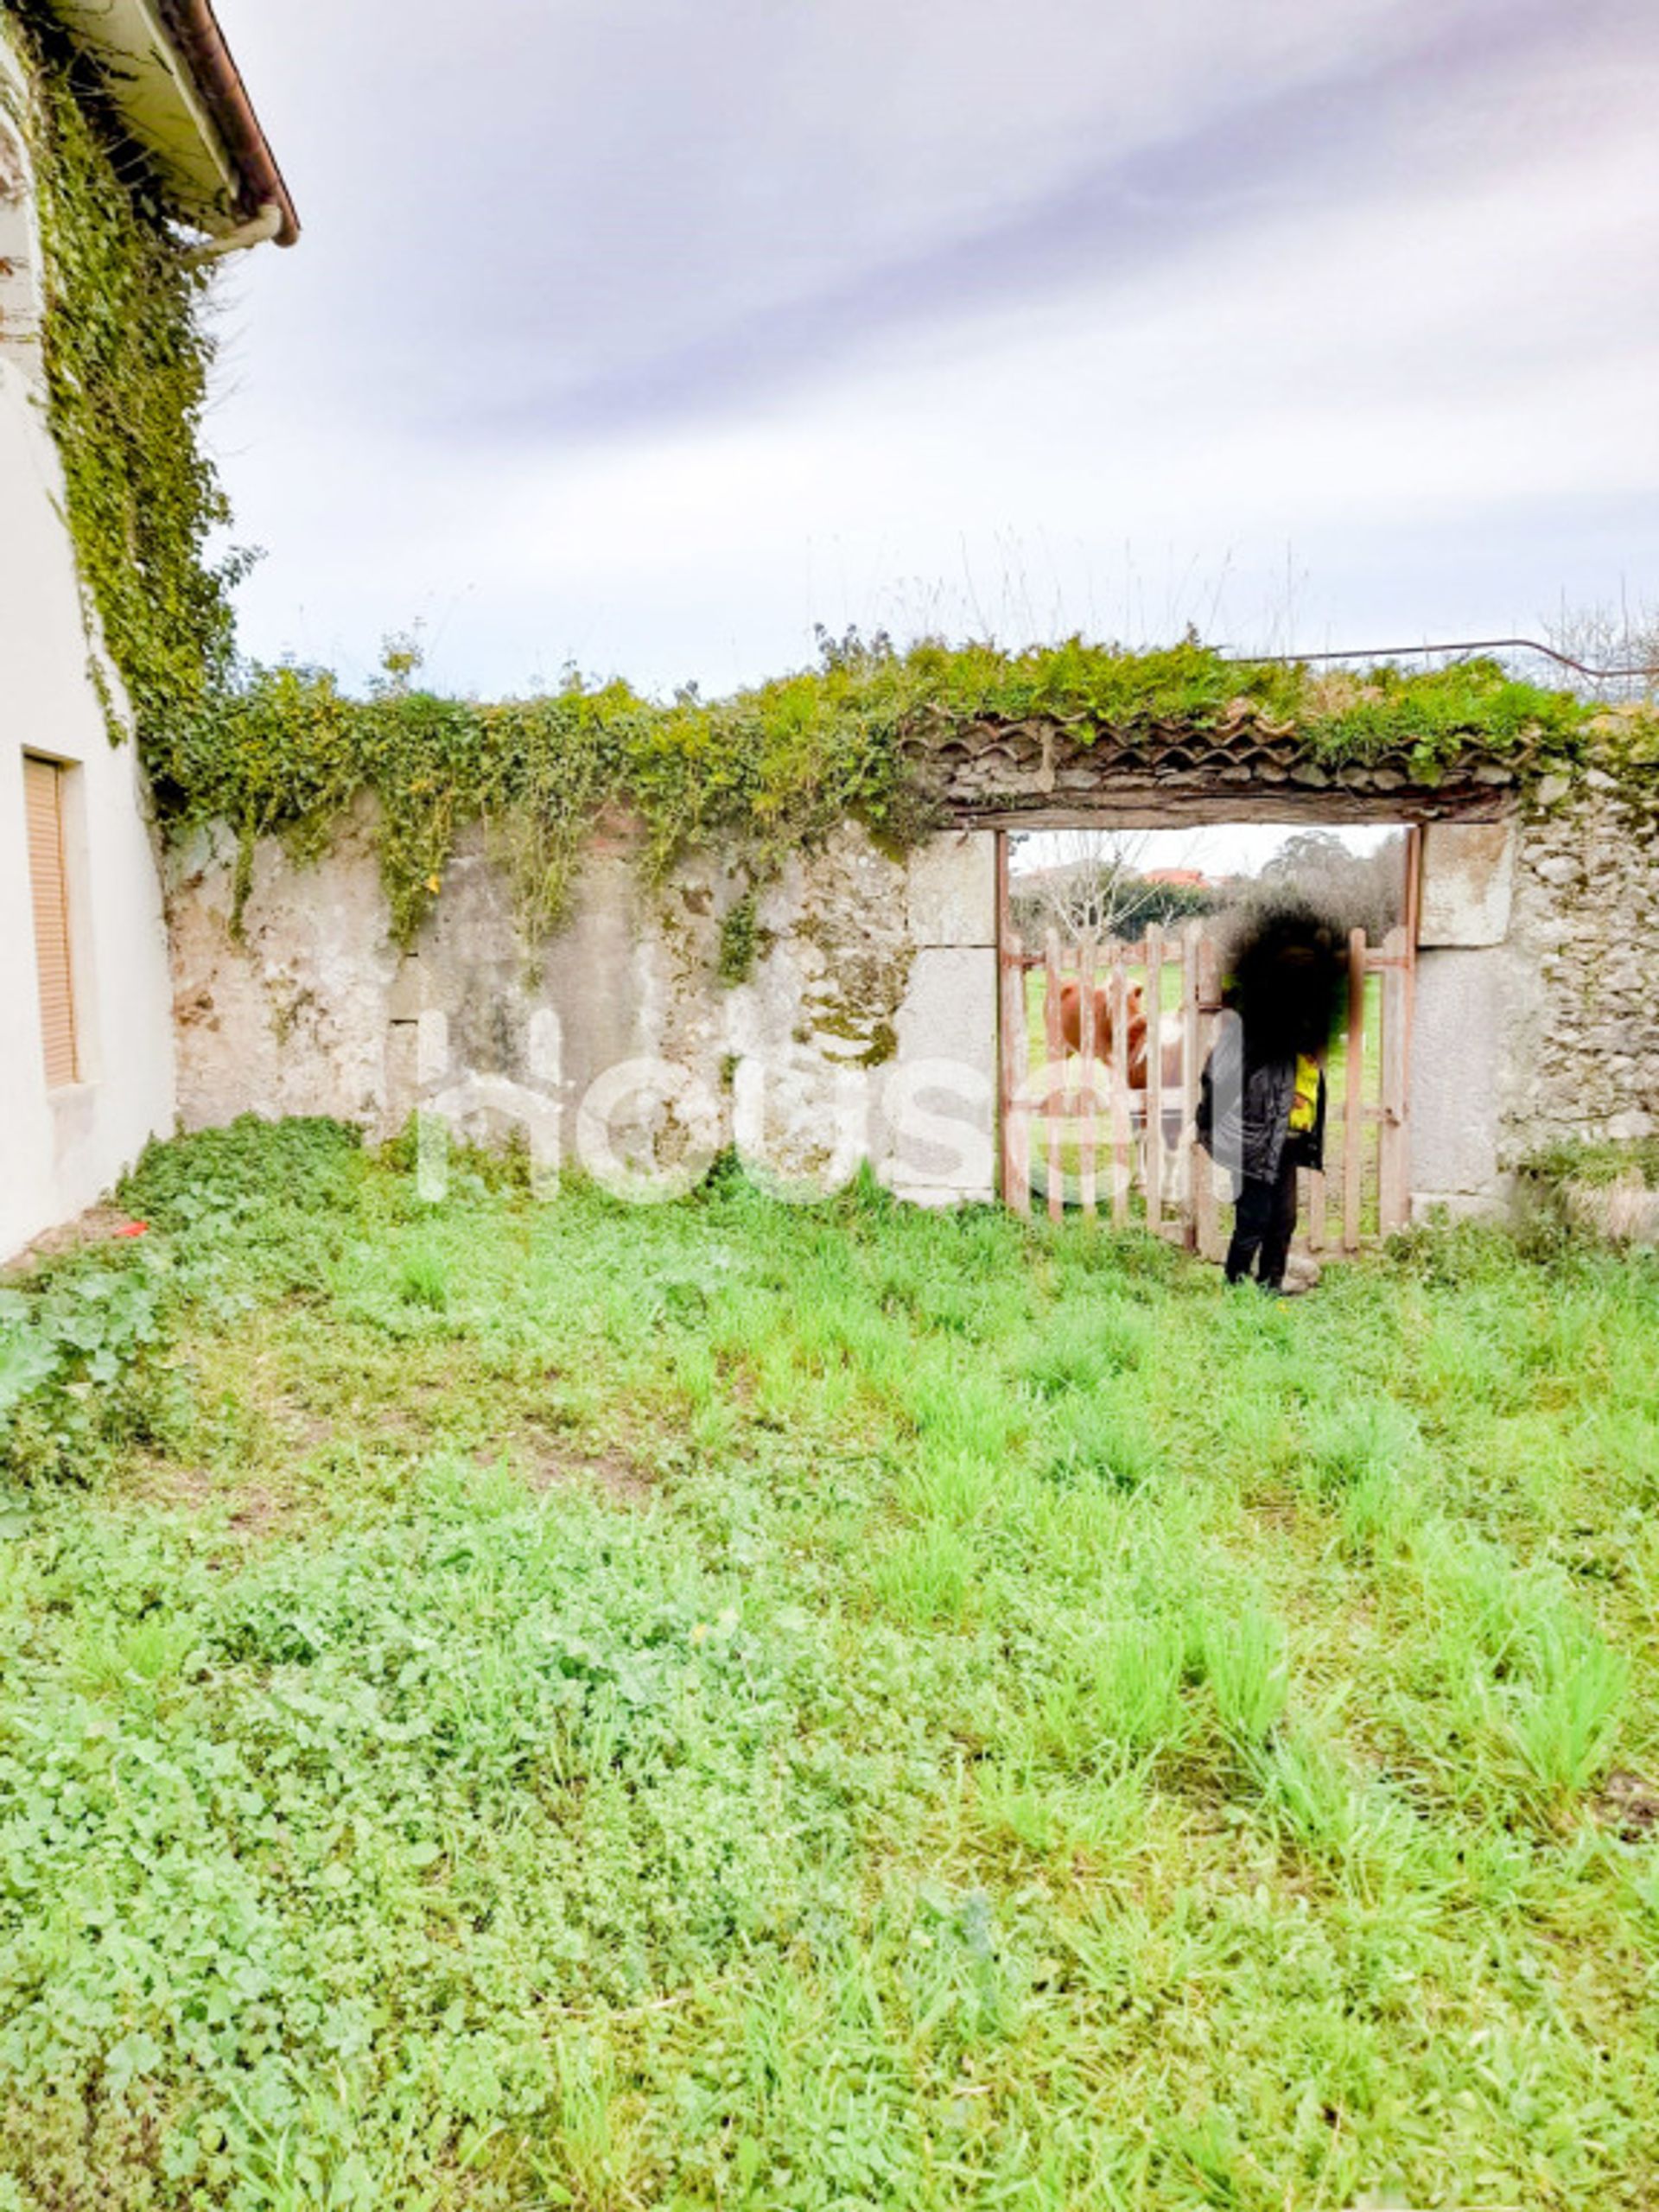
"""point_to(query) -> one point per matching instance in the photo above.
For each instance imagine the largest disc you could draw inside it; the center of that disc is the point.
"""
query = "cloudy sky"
(647, 334)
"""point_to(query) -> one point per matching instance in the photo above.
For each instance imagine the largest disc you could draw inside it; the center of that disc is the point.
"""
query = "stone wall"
(1586, 921)
(1537, 1006)
(866, 1029)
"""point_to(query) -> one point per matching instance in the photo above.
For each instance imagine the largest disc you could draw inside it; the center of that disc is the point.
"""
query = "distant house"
(1179, 879)
(86, 1070)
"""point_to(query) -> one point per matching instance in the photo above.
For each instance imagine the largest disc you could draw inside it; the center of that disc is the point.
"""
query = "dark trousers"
(1266, 1221)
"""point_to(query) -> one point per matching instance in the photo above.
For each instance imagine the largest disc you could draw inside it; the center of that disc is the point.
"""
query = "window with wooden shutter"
(43, 798)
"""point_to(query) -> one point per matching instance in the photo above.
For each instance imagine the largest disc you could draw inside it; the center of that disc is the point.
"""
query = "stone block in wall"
(1468, 877)
(412, 990)
(935, 1133)
(401, 1092)
(1457, 1076)
(951, 889)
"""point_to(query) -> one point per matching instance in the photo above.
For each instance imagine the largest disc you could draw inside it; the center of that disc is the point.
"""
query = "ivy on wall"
(771, 771)
(768, 771)
(126, 356)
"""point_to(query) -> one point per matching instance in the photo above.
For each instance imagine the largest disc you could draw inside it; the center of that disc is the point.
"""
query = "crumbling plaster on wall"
(311, 1009)
(289, 1017)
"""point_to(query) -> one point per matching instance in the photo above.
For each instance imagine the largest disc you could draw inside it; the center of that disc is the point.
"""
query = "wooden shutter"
(43, 800)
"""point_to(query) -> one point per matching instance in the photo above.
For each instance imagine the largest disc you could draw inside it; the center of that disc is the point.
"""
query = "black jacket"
(1244, 1108)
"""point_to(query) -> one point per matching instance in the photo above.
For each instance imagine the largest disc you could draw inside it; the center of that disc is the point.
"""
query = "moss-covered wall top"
(894, 739)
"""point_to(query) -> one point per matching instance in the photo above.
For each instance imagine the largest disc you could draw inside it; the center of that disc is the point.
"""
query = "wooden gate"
(1098, 1124)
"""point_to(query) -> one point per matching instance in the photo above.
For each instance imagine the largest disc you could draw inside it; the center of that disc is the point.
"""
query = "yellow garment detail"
(1306, 1104)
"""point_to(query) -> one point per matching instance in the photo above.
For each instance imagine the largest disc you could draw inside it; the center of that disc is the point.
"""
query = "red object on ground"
(133, 1229)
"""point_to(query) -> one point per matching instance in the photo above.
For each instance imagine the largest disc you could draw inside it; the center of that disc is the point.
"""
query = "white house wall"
(60, 1150)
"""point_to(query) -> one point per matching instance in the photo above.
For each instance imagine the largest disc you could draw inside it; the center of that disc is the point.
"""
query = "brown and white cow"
(1104, 1041)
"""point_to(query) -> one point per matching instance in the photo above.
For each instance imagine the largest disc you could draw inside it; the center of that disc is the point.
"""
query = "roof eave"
(180, 93)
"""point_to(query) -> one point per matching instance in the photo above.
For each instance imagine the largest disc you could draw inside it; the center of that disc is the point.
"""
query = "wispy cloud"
(618, 328)
(1360, 127)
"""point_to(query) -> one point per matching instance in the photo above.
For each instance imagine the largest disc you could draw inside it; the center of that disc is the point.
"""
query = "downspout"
(267, 224)
(195, 33)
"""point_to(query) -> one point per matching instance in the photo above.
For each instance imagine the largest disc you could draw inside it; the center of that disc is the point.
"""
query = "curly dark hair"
(1289, 980)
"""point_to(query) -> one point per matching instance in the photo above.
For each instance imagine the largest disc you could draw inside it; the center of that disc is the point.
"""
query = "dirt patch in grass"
(1273, 1509)
(310, 1431)
(185, 1488)
(256, 1510)
(97, 1225)
(1631, 1806)
(619, 1476)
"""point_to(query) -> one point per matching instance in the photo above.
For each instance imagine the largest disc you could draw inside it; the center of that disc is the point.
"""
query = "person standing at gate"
(1262, 1095)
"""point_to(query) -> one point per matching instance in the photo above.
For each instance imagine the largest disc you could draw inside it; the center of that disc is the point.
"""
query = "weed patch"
(1042, 1733)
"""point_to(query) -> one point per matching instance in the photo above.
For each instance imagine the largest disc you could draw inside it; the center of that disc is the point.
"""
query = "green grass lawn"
(727, 1705)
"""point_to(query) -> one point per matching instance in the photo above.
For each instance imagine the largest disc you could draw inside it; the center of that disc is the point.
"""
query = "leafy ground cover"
(513, 1705)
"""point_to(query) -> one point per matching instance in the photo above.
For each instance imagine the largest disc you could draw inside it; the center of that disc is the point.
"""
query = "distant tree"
(1351, 890)
(1309, 852)
(1168, 903)
(1624, 637)
(1096, 887)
